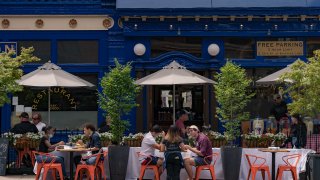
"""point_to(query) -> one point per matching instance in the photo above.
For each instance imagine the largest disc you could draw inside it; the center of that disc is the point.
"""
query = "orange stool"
(209, 167)
(101, 165)
(257, 167)
(143, 168)
(291, 165)
(91, 169)
(47, 166)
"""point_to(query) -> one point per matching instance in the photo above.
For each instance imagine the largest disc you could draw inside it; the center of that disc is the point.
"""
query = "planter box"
(217, 143)
(133, 142)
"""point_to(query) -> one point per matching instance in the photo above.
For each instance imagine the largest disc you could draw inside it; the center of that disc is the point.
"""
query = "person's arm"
(156, 146)
(52, 146)
(194, 150)
(96, 143)
(183, 147)
(162, 147)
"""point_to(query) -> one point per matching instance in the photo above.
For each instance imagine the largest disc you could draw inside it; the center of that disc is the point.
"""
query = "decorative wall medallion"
(73, 23)
(108, 23)
(120, 23)
(39, 23)
(5, 23)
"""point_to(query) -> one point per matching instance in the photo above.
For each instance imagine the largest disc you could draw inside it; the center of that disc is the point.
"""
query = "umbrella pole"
(49, 105)
(174, 103)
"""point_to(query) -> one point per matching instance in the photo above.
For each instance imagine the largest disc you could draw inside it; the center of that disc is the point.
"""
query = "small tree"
(232, 93)
(10, 71)
(305, 87)
(117, 97)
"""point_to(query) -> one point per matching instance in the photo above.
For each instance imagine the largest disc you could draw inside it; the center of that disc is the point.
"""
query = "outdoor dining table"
(273, 152)
(71, 151)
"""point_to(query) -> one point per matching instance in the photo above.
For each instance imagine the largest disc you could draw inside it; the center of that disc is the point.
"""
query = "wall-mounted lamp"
(135, 26)
(311, 26)
(241, 26)
(139, 49)
(179, 32)
(269, 32)
(213, 49)
(171, 27)
(206, 27)
(275, 27)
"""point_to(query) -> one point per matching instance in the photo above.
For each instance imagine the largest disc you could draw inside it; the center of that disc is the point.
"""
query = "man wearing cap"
(203, 149)
(279, 109)
(149, 145)
(183, 116)
(24, 126)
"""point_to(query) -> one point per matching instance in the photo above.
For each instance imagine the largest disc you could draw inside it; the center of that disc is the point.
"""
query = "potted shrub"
(10, 71)
(232, 94)
(117, 98)
(106, 139)
(217, 139)
(304, 88)
(133, 140)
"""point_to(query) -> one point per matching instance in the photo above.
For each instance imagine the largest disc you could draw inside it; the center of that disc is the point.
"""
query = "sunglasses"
(36, 118)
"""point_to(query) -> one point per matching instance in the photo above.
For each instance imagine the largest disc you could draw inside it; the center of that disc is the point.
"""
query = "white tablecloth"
(133, 168)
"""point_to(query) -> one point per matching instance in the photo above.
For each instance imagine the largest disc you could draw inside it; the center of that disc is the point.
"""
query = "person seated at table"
(37, 120)
(94, 144)
(172, 145)
(105, 125)
(24, 126)
(279, 110)
(203, 148)
(148, 147)
(298, 132)
(45, 146)
(183, 115)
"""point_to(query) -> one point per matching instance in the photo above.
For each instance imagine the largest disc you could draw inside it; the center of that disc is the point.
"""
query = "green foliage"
(305, 87)
(232, 94)
(11, 72)
(117, 97)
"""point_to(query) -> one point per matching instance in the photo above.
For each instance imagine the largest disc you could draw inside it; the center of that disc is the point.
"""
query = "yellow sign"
(55, 90)
(279, 48)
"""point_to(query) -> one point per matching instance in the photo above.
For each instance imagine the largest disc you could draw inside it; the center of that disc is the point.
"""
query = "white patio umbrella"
(50, 75)
(173, 74)
(275, 77)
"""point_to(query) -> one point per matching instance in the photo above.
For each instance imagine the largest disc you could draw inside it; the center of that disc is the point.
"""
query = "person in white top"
(36, 120)
(148, 147)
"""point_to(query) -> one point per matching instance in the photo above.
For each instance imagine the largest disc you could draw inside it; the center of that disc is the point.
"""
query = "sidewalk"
(25, 177)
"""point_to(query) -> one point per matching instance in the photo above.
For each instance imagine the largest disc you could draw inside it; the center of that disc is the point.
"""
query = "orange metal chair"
(255, 166)
(101, 165)
(291, 165)
(21, 153)
(91, 169)
(143, 168)
(47, 166)
(209, 167)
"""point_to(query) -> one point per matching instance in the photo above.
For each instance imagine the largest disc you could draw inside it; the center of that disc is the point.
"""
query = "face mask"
(50, 135)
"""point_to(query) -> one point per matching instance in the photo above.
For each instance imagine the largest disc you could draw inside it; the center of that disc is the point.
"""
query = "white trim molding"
(55, 22)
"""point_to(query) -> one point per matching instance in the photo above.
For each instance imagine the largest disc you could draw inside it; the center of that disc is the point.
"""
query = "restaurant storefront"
(251, 34)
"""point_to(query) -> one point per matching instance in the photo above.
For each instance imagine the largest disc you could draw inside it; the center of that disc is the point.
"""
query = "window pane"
(191, 45)
(261, 103)
(42, 49)
(239, 48)
(312, 44)
(78, 51)
(70, 107)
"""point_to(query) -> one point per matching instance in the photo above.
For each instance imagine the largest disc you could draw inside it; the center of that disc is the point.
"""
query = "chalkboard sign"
(3, 155)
